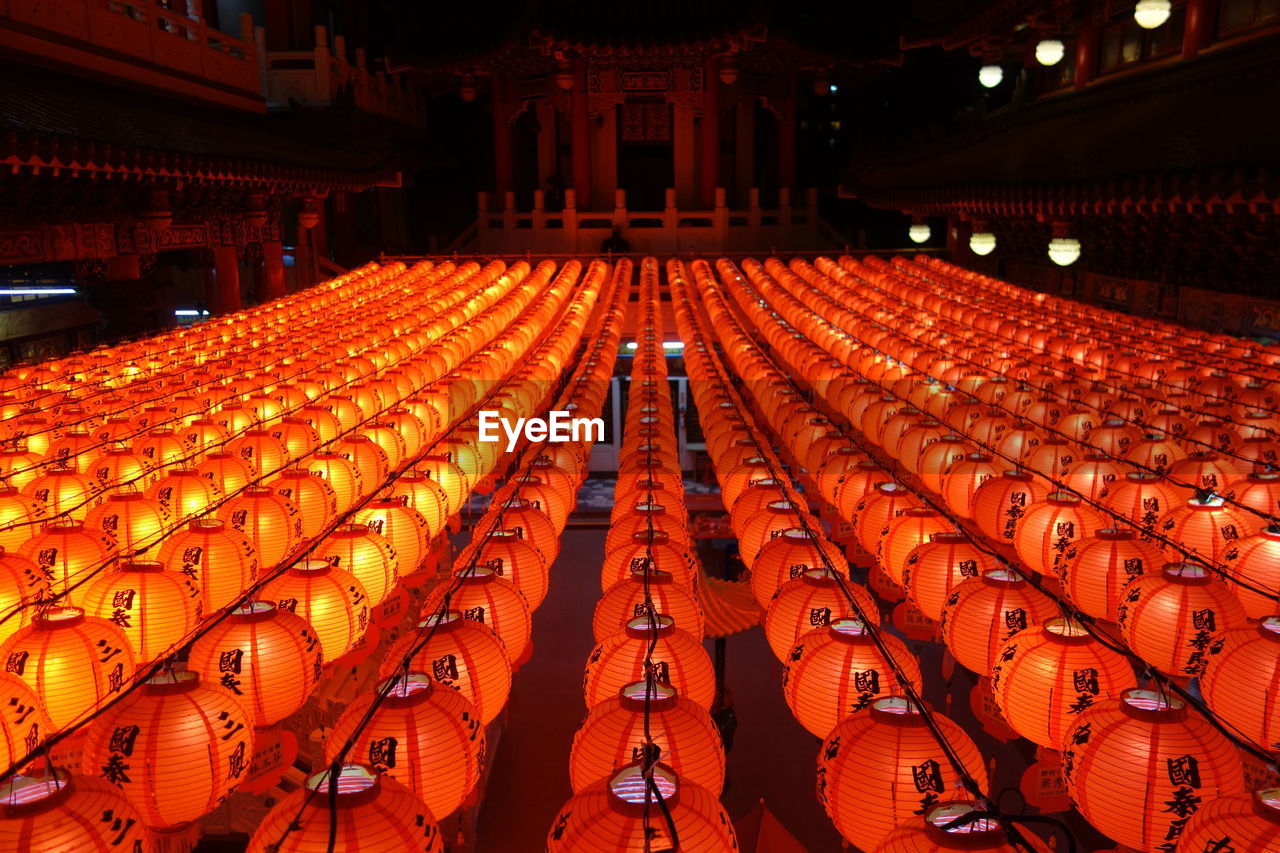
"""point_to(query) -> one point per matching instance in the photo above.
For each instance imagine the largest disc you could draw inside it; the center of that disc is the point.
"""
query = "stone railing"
(669, 230)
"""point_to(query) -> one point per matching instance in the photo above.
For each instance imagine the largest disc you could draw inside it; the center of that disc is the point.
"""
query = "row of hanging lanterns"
(1054, 640)
(256, 666)
(844, 678)
(647, 764)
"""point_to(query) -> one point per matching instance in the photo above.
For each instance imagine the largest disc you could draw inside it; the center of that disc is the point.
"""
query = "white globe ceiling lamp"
(1064, 251)
(1050, 51)
(1152, 13)
(982, 242)
(919, 232)
(990, 75)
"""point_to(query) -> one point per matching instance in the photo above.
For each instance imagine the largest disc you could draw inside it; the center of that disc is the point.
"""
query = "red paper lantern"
(176, 747)
(1000, 504)
(1241, 821)
(1048, 532)
(839, 670)
(1046, 676)
(459, 653)
(425, 736)
(267, 655)
(679, 732)
(949, 826)
(154, 608)
(1172, 618)
(61, 812)
(484, 596)
(622, 813)
(369, 557)
(1126, 759)
(333, 602)
(982, 614)
(879, 768)
(811, 601)
(219, 559)
(370, 812)
(1098, 568)
(676, 656)
(934, 568)
(1241, 683)
(625, 600)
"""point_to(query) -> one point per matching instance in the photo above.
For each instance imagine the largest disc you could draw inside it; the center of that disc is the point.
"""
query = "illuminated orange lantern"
(1245, 821)
(640, 517)
(879, 768)
(618, 814)
(226, 471)
(460, 653)
(130, 520)
(184, 493)
(173, 714)
(625, 600)
(342, 476)
(839, 670)
(964, 478)
(161, 448)
(811, 601)
(914, 527)
(1208, 527)
(1001, 503)
(982, 614)
(1126, 759)
(368, 811)
(1143, 498)
(874, 512)
(311, 495)
(1242, 681)
(60, 812)
(402, 526)
(1046, 676)
(154, 608)
(117, 466)
(528, 522)
(23, 724)
(73, 662)
(645, 548)
(934, 568)
(60, 490)
(66, 551)
(450, 478)
(19, 518)
(507, 555)
(270, 521)
(775, 519)
(788, 556)
(19, 466)
(426, 496)
(676, 656)
(483, 596)
(268, 656)
(1097, 569)
(333, 602)
(679, 732)
(1173, 617)
(219, 559)
(426, 737)
(369, 557)
(1051, 529)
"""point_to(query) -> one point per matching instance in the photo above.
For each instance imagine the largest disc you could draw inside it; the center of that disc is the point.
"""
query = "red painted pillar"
(272, 270)
(1196, 30)
(787, 138)
(710, 165)
(580, 136)
(1087, 54)
(503, 165)
(226, 279)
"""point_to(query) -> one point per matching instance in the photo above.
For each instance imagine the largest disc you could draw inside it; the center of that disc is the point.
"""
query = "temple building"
(686, 427)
